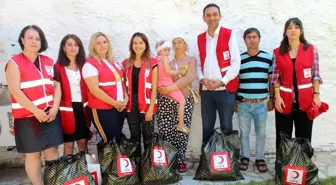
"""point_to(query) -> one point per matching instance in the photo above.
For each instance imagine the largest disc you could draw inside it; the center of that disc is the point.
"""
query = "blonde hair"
(92, 53)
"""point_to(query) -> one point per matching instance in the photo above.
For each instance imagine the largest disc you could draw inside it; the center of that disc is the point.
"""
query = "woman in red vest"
(73, 105)
(296, 79)
(107, 96)
(35, 100)
(141, 81)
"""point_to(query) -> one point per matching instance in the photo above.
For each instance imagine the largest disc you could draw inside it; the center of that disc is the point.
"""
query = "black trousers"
(138, 125)
(284, 122)
(108, 123)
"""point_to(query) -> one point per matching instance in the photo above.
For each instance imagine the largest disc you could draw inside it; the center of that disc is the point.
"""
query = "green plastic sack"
(158, 163)
(68, 170)
(116, 165)
(219, 159)
(293, 162)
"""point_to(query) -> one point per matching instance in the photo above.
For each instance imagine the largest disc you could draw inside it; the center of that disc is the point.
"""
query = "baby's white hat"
(164, 45)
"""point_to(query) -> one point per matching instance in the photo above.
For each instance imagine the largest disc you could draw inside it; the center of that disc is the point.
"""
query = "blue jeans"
(257, 112)
(211, 102)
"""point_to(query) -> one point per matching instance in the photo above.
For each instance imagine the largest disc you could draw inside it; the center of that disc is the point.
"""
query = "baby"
(165, 79)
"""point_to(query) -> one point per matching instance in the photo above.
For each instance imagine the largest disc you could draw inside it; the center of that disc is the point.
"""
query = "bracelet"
(317, 93)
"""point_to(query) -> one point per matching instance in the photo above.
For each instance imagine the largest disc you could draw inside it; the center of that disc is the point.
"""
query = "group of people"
(56, 103)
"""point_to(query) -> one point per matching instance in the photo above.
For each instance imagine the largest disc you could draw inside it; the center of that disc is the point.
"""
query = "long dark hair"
(80, 57)
(44, 42)
(284, 46)
(146, 56)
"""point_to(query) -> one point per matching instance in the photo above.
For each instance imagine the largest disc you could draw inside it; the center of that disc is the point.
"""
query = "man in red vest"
(218, 67)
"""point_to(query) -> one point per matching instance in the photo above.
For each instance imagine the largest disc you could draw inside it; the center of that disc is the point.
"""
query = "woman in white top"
(73, 105)
(107, 96)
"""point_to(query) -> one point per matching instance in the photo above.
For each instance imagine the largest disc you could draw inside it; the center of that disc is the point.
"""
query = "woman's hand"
(125, 101)
(149, 115)
(317, 100)
(40, 115)
(279, 103)
(119, 105)
(52, 114)
(163, 90)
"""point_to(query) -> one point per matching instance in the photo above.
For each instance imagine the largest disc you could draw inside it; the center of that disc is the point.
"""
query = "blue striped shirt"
(253, 75)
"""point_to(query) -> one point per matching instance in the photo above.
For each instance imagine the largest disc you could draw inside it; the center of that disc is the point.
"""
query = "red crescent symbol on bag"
(127, 163)
(296, 175)
(222, 159)
(160, 154)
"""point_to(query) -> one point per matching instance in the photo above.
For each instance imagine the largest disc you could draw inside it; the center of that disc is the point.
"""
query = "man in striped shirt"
(252, 98)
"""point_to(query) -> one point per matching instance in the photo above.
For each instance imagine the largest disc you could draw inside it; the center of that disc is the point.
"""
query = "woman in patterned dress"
(168, 109)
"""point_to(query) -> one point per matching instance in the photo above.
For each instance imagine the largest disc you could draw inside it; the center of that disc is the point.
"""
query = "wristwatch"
(222, 84)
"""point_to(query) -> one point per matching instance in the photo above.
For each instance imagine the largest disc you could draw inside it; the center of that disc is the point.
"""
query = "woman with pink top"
(166, 79)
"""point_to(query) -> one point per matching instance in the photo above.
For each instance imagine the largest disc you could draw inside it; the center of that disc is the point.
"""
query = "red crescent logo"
(296, 175)
(222, 159)
(160, 154)
(127, 163)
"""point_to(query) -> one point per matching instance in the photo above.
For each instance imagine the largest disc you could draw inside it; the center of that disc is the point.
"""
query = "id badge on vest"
(226, 55)
(50, 70)
(307, 73)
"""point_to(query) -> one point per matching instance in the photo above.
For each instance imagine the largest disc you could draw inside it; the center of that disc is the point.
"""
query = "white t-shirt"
(89, 70)
(74, 80)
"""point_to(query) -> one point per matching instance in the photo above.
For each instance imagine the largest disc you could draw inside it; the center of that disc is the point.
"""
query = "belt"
(253, 100)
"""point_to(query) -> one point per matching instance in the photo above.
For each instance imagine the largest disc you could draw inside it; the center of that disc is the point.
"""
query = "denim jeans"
(211, 102)
(257, 112)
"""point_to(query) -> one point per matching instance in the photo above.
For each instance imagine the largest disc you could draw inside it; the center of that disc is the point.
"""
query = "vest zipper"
(44, 89)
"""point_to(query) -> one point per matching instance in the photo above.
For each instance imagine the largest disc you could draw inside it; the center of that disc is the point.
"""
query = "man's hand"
(206, 82)
(215, 84)
(236, 107)
(270, 104)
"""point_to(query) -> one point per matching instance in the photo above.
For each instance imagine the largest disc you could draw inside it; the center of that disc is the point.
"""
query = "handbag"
(195, 95)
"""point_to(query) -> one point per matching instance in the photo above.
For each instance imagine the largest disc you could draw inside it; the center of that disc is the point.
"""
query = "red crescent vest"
(107, 82)
(222, 53)
(36, 85)
(144, 88)
(303, 68)
(66, 110)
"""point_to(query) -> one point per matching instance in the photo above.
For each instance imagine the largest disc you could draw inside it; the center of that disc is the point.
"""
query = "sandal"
(261, 166)
(182, 168)
(244, 163)
(183, 130)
